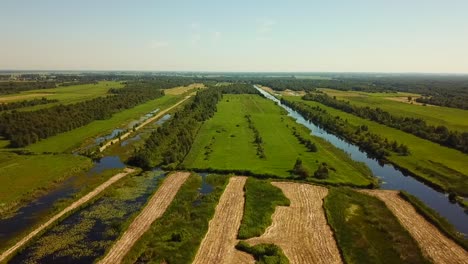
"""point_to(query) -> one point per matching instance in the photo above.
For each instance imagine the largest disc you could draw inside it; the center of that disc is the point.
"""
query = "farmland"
(228, 177)
(64, 95)
(398, 104)
(225, 142)
(447, 171)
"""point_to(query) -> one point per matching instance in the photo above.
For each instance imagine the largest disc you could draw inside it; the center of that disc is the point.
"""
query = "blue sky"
(360, 35)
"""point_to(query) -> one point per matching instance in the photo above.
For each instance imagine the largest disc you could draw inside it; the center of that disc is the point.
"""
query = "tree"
(322, 171)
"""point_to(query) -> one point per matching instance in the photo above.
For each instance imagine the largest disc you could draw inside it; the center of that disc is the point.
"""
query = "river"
(391, 177)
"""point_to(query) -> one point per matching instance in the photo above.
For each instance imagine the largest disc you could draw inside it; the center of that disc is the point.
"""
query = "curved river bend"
(391, 178)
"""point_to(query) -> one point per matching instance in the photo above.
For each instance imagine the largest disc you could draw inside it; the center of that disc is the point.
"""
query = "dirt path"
(218, 245)
(433, 243)
(155, 208)
(301, 229)
(147, 121)
(71, 207)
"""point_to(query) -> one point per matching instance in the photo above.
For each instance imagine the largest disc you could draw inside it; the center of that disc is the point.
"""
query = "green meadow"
(225, 142)
(22, 176)
(440, 165)
(65, 95)
(452, 118)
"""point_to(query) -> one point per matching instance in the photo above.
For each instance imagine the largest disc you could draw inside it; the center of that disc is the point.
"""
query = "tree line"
(416, 126)
(171, 142)
(24, 128)
(374, 144)
(26, 103)
(258, 141)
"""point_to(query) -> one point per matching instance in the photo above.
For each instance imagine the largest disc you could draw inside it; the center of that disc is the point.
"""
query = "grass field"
(225, 142)
(440, 165)
(367, 232)
(65, 95)
(261, 199)
(21, 176)
(84, 135)
(176, 236)
(452, 118)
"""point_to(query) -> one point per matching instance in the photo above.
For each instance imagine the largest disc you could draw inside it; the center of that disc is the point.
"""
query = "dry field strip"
(68, 209)
(218, 245)
(301, 229)
(155, 208)
(433, 243)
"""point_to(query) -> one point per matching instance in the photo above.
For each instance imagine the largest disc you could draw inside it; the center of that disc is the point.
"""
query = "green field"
(440, 165)
(22, 176)
(452, 118)
(366, 231)
(84, 135)
(225, 142)
(261, 199)
(65, 95)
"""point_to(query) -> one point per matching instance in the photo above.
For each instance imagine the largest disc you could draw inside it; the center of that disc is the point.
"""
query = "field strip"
(433, 243)
(149, 120)
(155, 208)
(21, 96)
(218, 245)
(301, 229)
(71, 207)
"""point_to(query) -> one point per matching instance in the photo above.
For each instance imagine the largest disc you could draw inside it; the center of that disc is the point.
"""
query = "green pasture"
(225, 142)
(452, 118)
(440, 165)
(65, 95)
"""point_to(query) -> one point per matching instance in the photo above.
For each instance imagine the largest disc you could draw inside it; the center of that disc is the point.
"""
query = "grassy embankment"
(397, 104)
(436, 164)
(86, 234)
(261, 199)
(225, 143)
(366, 231)
(176, 236)
(23, 177)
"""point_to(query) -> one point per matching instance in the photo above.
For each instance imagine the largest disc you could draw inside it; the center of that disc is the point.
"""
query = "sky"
(262, 36)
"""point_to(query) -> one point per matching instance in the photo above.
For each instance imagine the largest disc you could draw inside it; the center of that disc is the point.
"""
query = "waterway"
(391, 178)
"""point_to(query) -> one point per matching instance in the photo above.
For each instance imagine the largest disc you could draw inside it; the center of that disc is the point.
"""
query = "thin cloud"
(157, 44)
(265, 25)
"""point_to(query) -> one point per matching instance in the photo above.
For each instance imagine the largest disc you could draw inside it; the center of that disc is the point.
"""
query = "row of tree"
(24, 128)
(373, 144)
(258, 141)
(305, 141)
(171, 142)
(416, 126)
(26, 103)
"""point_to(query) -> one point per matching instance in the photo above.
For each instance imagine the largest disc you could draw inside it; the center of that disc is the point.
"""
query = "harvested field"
(70, 208)
(6, 99)
(301, 229)
(183, 89)
(156, 206)
(219, 243)
(433, 243)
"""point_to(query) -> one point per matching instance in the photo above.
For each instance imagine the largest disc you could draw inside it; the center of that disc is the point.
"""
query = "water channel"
(391, 178)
